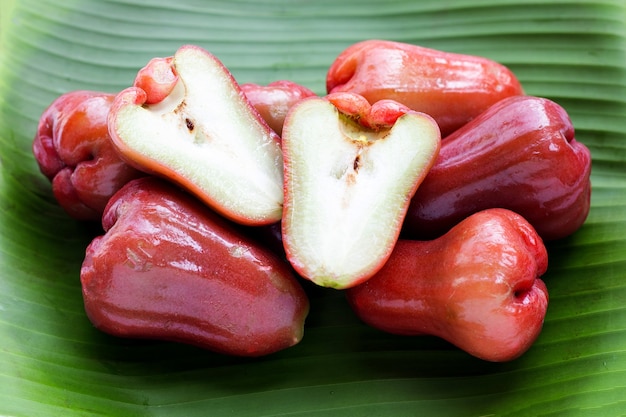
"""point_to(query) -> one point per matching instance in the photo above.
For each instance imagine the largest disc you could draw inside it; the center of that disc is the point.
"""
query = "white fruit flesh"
(206, 133)
(347, 190)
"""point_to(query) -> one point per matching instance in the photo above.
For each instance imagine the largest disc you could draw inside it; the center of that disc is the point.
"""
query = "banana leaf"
(53, 362)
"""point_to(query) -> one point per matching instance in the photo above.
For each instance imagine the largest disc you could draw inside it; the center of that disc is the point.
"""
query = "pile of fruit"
(423, 185)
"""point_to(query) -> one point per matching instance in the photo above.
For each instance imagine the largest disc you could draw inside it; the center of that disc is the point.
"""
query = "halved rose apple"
(350, 172)
(195, 127)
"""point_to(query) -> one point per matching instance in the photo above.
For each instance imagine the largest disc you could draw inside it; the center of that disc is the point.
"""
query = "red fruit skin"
(380, 115)
(168, 268)
(158, 78)
(477, 287)
(521, 154)
(452, 88)
(73, 149)
(274, 100)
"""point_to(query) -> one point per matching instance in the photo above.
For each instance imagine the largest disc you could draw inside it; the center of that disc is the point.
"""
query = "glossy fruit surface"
(168, 268)
(477, 286)
(274, 100)
(452, 88)
(73, 149)
(521, 154)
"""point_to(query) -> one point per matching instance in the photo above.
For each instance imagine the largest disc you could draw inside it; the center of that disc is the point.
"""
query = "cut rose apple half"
(350, 172)
(195, 127)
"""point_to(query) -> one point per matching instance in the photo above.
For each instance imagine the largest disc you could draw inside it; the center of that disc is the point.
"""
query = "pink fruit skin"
(521, 154)
(274, 100)
(168, 268)
(73, 149)
(477, 287)
(380, 115)
(452, 88)
(158, 78)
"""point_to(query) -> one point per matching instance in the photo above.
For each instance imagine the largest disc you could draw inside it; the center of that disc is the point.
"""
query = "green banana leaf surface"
(54, 363)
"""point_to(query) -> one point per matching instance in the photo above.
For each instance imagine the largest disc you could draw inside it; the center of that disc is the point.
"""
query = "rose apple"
(477, 286)
(195, 127)
(520, 154)
(350, 172)
(73, 149)
(452, 88)
(273, 101)
(169, 268)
